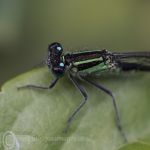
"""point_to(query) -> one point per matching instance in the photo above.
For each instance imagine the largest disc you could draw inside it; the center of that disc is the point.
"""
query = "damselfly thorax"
(89, 62)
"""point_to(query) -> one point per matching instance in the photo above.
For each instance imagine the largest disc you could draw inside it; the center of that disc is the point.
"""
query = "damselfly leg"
(83, 93)
(39, 87)
(118, 121)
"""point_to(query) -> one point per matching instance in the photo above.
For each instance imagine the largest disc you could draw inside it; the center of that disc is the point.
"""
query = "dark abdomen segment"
(133, 61)
(125, 66)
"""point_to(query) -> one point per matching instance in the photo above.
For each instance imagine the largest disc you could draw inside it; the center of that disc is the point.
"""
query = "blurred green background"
(28, 26)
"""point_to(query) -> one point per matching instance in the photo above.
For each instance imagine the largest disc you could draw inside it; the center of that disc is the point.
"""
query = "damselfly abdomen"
(85, 63)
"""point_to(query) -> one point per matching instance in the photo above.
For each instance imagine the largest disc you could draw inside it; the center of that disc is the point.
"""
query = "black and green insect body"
(88, 62)
(80, 65)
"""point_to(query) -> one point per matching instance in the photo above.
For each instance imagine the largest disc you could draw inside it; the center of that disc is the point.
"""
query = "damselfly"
(81, 65)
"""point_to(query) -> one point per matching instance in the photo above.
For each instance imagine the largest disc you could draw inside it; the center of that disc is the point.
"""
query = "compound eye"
(56, 48)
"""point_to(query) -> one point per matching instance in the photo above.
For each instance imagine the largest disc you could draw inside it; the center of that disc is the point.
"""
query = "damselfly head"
(55, 48)
(54, 60)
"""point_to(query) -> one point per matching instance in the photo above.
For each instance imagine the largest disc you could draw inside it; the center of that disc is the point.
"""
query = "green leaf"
(34, 119)
(136, 146)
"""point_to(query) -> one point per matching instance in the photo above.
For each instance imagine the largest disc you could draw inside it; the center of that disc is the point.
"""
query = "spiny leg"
(118, 121)
(84, 94)
(39, 87)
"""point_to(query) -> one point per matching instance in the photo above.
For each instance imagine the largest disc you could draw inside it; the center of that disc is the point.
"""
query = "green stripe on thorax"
(87, 61)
